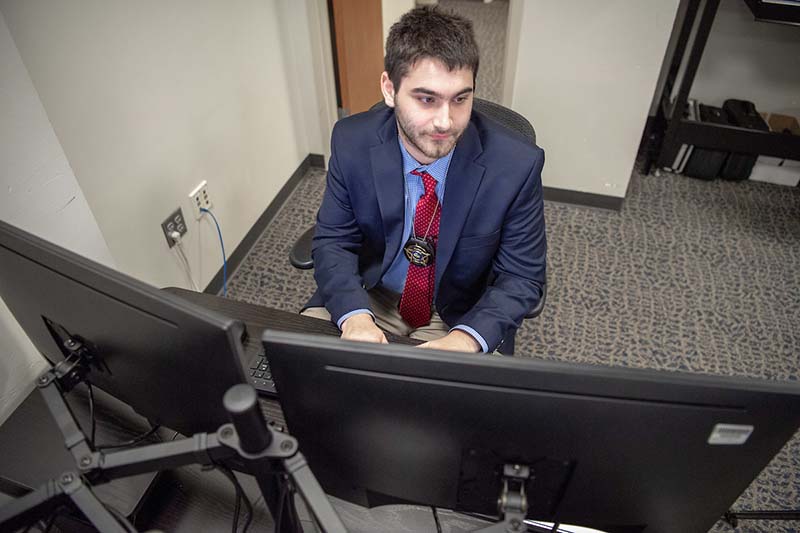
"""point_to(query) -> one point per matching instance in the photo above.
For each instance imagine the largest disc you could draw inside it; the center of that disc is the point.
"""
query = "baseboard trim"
(583, 198)
(316, 160)
(241, 251)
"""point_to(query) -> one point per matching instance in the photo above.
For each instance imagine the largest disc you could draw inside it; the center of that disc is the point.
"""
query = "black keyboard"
(261, 375)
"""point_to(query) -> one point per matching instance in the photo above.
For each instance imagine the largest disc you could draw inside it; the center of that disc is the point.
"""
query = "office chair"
(300, 255)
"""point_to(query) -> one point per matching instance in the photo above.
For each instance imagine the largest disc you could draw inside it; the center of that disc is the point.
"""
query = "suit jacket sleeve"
(336, 244)
(518, 268)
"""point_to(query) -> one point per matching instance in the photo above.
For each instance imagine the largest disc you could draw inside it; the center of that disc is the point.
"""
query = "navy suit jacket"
(490, 260)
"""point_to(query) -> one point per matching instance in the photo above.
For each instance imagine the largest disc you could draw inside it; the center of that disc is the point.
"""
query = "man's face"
(432, 106)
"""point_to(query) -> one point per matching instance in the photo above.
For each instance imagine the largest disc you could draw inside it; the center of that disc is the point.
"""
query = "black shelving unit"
(782, 12)
(678, 130)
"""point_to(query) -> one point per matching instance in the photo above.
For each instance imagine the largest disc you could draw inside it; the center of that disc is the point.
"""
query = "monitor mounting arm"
(247, 442)
(74, 368)
(512, 502)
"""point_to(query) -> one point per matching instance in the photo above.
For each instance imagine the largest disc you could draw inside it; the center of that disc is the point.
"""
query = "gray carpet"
(690, 275)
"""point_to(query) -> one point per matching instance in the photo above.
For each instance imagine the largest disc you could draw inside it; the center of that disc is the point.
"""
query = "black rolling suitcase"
(743, 114)
(704, 163)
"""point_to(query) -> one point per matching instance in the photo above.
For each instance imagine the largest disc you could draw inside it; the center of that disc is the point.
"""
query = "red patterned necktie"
(417, 297)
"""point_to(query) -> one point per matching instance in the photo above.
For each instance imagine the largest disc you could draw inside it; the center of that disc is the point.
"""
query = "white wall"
(39, 194)
(391, 11)
(584, 74)
(322, 67)
(148, 98)
(756, 61)
(308, 56)
(513, 39)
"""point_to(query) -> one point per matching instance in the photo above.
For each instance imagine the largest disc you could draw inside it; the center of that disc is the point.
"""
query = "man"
(432, 221)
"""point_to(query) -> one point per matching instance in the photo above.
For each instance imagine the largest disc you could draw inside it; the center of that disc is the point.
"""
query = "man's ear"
(387, 88)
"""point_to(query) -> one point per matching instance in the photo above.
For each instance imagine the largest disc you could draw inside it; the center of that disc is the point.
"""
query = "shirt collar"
(437, 169)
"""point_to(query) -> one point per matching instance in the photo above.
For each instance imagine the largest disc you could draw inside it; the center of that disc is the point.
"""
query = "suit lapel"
(463, 179)
(387, 172)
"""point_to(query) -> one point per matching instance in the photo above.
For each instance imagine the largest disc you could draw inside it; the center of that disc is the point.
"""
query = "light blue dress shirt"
(395, 277)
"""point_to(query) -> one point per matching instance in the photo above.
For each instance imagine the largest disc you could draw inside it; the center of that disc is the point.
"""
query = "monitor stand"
(32, 448)
(513, 504)
(247, 444)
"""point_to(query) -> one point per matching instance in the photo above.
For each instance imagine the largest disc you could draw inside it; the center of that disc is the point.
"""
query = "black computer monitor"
(616, 449)
(171, 361)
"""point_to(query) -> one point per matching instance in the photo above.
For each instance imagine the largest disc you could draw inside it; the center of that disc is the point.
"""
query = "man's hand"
(455, 341)
(361, 327)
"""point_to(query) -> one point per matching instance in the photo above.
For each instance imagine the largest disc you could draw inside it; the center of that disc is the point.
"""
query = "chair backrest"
(507, 117)
(501, 114)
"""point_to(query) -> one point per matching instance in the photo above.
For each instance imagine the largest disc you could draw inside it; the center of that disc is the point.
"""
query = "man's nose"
(442, 120)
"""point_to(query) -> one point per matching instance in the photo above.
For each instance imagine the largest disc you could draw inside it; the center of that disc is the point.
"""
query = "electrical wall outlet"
(200, 199)
(174, 222)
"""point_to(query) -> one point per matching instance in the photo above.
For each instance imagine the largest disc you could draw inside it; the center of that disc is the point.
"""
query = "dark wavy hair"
(430, 32)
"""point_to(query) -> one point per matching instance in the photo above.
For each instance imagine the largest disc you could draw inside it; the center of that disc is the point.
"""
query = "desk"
(257, 318)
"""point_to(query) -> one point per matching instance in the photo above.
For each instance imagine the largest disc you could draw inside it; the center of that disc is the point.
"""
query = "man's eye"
(426, 99)
(460, 99)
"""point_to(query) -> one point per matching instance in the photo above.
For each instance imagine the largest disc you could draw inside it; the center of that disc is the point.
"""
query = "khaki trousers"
(383, 304)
